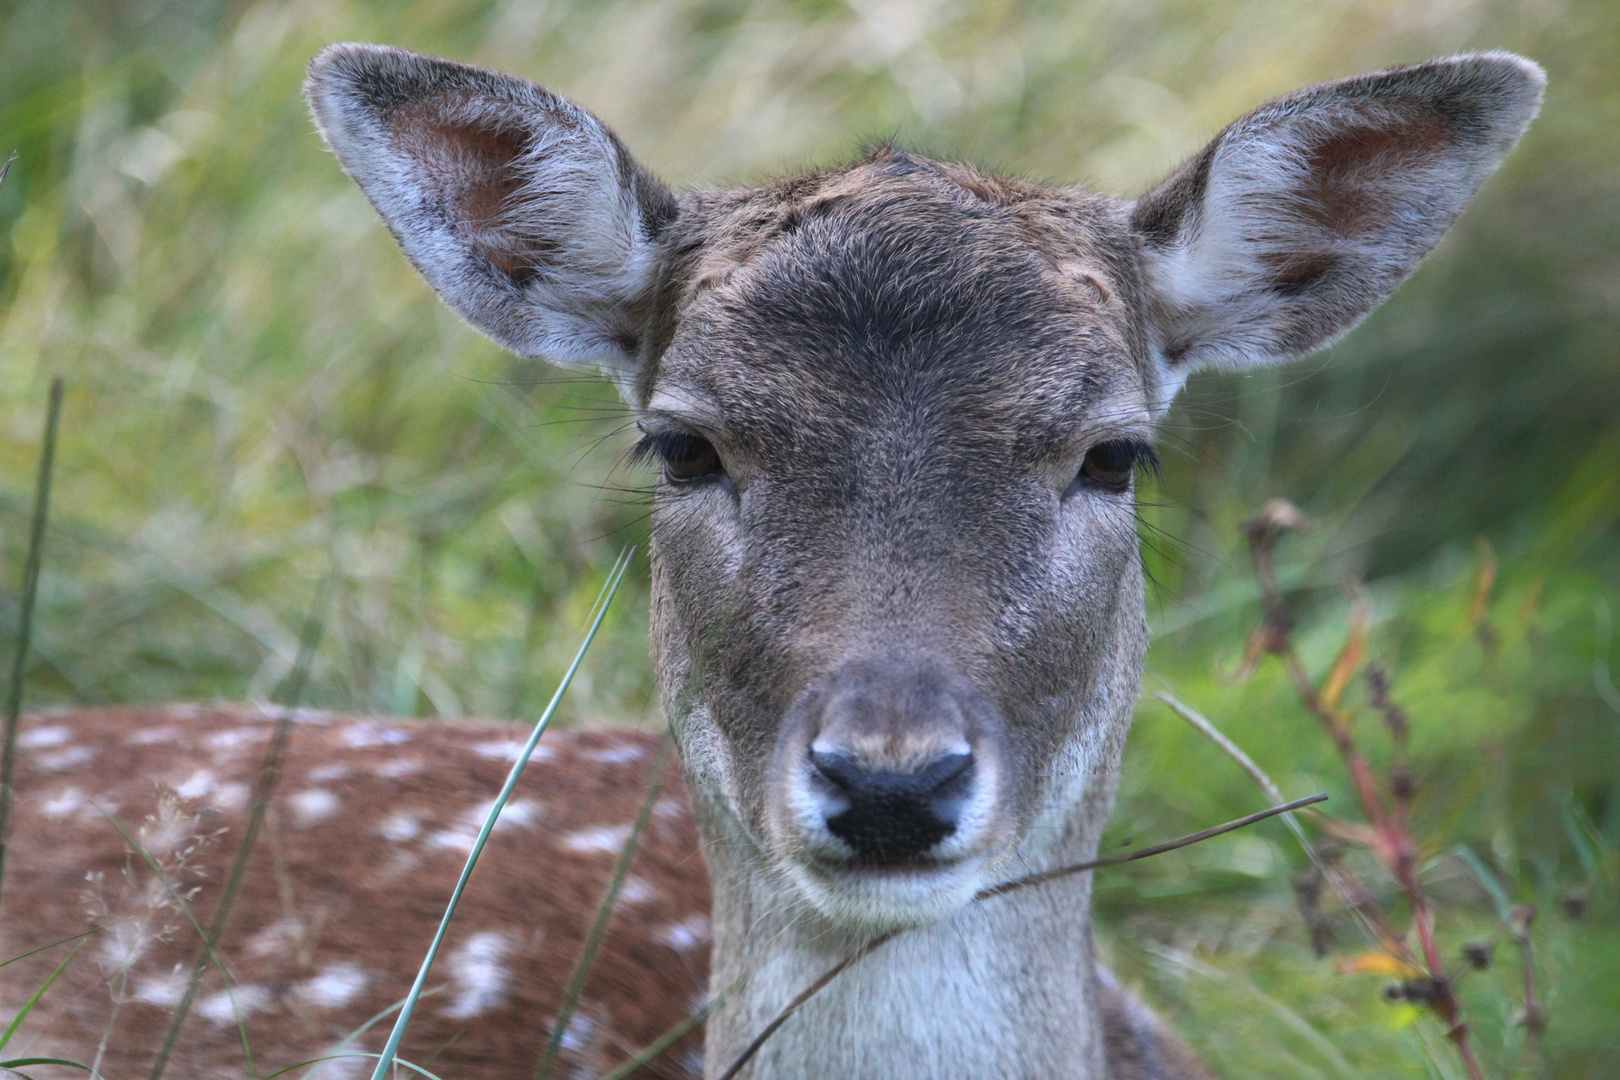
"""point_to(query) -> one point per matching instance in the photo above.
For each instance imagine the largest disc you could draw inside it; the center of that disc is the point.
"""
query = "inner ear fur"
(521, 209)
(1305, 214)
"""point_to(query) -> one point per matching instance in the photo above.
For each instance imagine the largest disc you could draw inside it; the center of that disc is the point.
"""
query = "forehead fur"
(899, 277)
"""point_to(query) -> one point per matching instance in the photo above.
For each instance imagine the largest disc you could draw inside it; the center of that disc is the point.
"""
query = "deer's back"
(369, 827)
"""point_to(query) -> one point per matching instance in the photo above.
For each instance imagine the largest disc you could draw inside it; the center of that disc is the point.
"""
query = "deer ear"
(1307, 213)
(520, 208)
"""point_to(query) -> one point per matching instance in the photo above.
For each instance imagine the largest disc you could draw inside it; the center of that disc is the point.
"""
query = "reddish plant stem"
(1524, 916)
(1393, 845)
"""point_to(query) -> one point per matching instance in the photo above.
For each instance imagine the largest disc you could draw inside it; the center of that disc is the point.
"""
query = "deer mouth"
(885, 896)
(880, 851)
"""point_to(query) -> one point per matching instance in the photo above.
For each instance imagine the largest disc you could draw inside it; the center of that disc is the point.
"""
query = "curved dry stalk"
(1371, 925)
(1025, 882)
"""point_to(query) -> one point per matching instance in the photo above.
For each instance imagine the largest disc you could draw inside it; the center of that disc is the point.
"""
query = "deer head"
(897, 410)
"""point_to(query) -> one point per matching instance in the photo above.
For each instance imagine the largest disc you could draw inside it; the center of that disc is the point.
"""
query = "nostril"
(840, 769)
(889, 816)
(850, 777)
(943, 771)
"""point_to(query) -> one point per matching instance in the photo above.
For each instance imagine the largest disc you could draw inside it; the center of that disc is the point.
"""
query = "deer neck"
(1005, 987)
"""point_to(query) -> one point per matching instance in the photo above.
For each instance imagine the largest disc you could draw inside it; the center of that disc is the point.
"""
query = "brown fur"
(343, 893)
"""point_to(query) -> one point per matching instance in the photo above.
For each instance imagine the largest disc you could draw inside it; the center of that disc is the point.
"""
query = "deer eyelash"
(1144, 459)
(655, 446)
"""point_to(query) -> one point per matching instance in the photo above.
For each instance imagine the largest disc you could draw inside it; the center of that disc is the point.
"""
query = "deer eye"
(1108, 465)
(686, 456)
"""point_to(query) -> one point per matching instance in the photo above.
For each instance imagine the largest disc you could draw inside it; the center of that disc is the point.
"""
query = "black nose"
(890, 817)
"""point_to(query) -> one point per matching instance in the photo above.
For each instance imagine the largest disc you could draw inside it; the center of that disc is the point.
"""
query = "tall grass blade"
(290, 691)
(603, 601)
(604, 912)
(27, 1008)
(1488, 882)
(25, 617)
(341, 1049)
(17, 1063)
(417, 1069)
(59, 941)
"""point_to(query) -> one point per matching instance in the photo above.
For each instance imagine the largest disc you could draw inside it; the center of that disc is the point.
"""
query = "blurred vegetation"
(262, 391)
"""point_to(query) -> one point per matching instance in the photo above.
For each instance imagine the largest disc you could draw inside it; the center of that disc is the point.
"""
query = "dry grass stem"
(1028, 881)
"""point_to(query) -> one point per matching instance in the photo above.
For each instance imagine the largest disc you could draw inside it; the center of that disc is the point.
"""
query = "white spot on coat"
(521, 812)
(617, 755)
(69, 758)
(509, 749)
(398, 767)
(162, 990)
(35, 738)
(352, 1066)
(150, 736)
(605, 839)
(64, 803)
(578, 1035)
(689, 933)
(233, 738)
(636, 890)
(196, 785)
(312, 806)
(279, 937)
(478, 975)
(524, 813)
(249, 1000)
(361, 735)
(334, 987)
(402, 825)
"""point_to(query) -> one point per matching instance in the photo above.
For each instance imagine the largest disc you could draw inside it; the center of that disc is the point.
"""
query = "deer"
(897, 412)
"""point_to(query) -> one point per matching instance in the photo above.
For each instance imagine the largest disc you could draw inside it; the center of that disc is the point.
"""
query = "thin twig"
(1016, 884)
(30, 591)
(1534, 1019)
(1157, 849)
(803, 996)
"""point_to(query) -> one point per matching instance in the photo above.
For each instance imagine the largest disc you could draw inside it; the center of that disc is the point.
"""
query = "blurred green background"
(261, 392)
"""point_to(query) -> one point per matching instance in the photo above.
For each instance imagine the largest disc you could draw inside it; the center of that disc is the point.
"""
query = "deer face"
(896, 410)
(897, 592)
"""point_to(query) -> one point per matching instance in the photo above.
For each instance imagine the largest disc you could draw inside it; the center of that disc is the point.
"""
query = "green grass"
(263, 394)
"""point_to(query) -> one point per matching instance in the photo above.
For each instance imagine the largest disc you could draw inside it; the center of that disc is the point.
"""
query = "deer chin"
(869, 897)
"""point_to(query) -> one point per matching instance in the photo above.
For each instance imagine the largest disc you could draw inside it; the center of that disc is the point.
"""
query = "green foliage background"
(262, 392)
